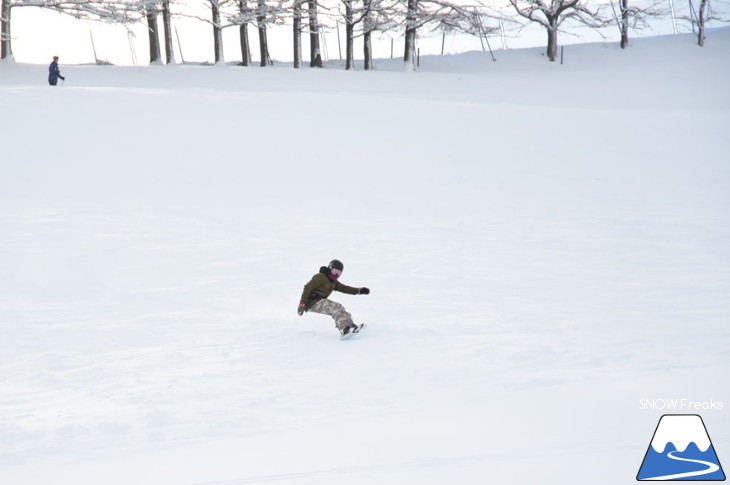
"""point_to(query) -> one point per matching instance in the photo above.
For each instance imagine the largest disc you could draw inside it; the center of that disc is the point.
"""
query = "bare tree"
(700, 17)
(167, 29)
(297, 32)
(6, 51)
(362, 19)
(552, 15)
(315, 54)
(349, 33)
(412, 24)
(223, 14)
(216, 24)
(632, 17)
(701, 20)
(221, 11)
(243, 18)
(150, 10)
(261, 14)
(243, 33)
(380, 16)
(263, 38)
(467, 20)
(121, 11)
(130, 11)
(113, 11)
(353, 15)
(440, 14)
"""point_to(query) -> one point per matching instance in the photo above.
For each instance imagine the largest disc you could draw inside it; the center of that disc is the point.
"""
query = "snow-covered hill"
(546, 246)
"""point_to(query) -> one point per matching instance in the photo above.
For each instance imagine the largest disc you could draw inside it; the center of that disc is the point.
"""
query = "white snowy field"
(548, 247)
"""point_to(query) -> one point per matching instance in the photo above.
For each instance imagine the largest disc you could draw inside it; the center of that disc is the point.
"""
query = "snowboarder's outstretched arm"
(346, 289)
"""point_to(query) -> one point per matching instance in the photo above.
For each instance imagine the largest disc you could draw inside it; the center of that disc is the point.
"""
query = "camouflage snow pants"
(335, 310)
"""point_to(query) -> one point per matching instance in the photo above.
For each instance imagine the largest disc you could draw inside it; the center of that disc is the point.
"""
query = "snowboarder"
(316, 293)
(54, 73)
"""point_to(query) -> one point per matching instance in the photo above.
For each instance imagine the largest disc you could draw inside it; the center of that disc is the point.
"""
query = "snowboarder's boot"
(348, 330)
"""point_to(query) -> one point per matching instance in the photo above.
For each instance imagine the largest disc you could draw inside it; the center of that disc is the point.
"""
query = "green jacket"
(320, 286)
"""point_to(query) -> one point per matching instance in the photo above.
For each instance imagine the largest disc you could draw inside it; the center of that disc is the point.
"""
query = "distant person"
(54, 73)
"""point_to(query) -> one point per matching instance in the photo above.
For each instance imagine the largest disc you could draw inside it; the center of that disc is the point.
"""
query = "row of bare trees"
(362, 18)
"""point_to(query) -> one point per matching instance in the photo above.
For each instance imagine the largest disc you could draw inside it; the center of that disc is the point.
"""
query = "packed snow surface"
(547, 245)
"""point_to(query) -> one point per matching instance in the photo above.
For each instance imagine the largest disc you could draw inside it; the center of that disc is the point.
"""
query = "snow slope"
(546, 245)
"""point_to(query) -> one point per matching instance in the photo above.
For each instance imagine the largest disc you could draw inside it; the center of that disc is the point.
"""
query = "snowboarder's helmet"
(336, 264)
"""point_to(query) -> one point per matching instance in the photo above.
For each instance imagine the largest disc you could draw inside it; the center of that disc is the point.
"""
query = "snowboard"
(354, 332)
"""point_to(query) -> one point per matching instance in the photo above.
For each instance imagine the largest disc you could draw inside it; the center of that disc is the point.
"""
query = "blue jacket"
(54, 73)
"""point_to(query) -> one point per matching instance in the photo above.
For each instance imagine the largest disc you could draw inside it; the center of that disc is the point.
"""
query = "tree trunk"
(315, 56)
(624, 23)
(349, 37)
(701, 23)
(297, 35)
(368, 51)
(367, 36)
(264, 46)
(154, 36)
(217, 32)
(552, 46)
(263, 39)
(243, 35)
(409, 57)
(6, 51)
(245, 45)
(167, 27)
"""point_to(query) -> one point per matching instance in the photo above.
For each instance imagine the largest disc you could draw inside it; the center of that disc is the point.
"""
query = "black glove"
(300, 309)
(364, 291)
(62, 78)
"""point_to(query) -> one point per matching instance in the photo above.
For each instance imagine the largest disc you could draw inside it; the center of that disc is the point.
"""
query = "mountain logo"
(681, 450)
